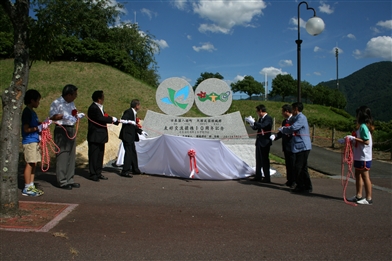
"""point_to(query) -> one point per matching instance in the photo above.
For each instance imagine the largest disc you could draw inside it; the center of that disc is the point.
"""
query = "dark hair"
(97, 95)
(287, 107)
(134, 103)
(261, 107)
(69, 89)
(364, 116)
(298, 105)
(31, 95)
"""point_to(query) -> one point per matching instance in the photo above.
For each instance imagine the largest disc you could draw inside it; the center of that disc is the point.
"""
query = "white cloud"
(385, 24)
(147, 12)
(226, 14)
(285, 63)
(294, 21)
(378, 47)
(238, 78)
(189, 37)
(317, 73)
(180, 4)
(272, 72)
(204, 47)
(351, 36)
(162, 44)
(375, 30)
(316, 49)
(324, 8)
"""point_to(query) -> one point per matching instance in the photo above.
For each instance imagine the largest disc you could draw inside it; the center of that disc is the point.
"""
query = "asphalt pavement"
(151, 217)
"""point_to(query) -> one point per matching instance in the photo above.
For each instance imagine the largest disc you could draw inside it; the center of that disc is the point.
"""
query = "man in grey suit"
(300, 147)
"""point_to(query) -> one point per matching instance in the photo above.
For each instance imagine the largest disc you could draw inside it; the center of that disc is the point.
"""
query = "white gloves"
(81, 115)
(44, 125)
(145, 133)
(341, 141)
(250, 120)
(272, 137)
(350, 137)
(127, 122)
(114, 119)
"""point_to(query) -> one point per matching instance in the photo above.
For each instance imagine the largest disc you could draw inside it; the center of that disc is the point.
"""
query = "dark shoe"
(265, 181)
(94, 178)
(75, 185)
(126, 174)
(103, 177)
(67, 187)
(255, 179)
(136, 172)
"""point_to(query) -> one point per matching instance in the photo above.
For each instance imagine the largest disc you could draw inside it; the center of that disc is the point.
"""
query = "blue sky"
(256, 37)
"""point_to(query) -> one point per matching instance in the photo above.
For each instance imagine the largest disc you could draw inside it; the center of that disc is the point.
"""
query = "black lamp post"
(337, 70)
(314, 26)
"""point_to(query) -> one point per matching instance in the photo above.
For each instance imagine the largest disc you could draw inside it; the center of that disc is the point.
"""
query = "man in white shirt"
(64, 113)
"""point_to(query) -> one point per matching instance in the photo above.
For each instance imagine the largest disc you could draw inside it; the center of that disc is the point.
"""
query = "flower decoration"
(106, 115)
(74, 112)
(138, 123)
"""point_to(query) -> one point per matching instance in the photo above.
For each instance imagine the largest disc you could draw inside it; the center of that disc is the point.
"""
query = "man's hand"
(250, 120)
(272, 137)
(350, 137)
(114, 119)
(80, 115)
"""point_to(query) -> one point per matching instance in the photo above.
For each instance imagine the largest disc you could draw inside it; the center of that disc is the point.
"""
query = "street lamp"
(314, 26)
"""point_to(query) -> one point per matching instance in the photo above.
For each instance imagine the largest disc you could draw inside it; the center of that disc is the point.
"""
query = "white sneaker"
(354, 199)
(365, 201)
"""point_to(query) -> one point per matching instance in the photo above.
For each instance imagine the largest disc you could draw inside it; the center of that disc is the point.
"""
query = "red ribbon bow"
(74, 112)
(106, 115)
(138, 124)
(192, 156)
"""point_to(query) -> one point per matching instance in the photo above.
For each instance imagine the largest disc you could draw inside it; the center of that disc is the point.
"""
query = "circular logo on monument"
(175, 96)
(213, 97)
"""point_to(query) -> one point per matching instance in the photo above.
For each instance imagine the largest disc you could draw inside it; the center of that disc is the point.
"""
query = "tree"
(12, 99)
(248, 85)
(306, 90)
(205, 76)
(283, 85)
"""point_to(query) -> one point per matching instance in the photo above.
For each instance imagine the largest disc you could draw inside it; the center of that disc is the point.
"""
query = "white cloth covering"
(168, 155)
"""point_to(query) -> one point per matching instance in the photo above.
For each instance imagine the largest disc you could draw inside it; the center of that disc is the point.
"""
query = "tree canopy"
(283, 85)
(205, 76)
(249, 86)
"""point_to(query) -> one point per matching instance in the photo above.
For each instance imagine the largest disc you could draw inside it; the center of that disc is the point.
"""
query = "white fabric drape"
(168, 155)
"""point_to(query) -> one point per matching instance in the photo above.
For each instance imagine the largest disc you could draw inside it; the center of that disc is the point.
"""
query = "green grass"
(120, 89)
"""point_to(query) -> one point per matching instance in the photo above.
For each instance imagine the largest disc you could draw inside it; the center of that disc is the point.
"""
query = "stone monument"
(213, 97)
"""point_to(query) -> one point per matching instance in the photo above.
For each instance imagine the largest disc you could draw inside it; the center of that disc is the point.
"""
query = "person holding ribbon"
(97, 135)
(300, 147)
(129, 135)
(31, 128)
(362, 150)
(286, 145)
(263, 143)
(63, 111)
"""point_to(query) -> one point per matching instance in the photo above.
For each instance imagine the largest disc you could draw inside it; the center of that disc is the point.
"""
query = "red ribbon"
(192, 157)
(138, 124)
(106, 115)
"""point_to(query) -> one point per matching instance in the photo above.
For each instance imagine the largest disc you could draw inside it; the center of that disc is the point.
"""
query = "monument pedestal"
(228, 126)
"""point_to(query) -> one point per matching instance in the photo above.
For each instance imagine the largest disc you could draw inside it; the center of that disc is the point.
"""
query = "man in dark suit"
(129, 135)
(263, 143)
(97, 135)
(286, 145)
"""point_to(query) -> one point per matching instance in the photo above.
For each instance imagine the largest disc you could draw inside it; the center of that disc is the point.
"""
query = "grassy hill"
(120, 89)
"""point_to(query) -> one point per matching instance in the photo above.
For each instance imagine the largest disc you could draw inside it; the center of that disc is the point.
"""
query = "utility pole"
(337, 70)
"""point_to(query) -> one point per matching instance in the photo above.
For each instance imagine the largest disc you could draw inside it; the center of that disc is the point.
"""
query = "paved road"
(157, 218)
(329, 162)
